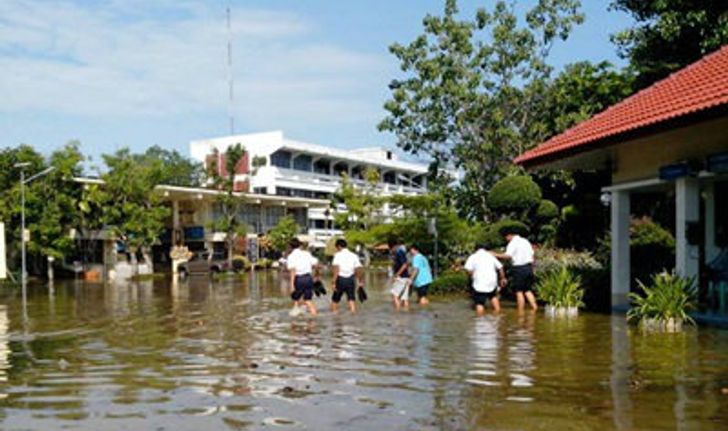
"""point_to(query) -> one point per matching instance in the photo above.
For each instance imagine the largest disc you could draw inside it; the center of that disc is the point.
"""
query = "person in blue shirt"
(420, 274)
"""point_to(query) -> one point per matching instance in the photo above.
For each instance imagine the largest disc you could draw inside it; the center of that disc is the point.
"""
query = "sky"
(137, 73)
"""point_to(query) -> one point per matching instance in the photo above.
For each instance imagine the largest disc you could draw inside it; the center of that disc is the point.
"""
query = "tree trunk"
(134, 262)
(148, 259)
(230, 245)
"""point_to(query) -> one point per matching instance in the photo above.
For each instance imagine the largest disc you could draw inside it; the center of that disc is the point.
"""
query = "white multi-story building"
(275, 165)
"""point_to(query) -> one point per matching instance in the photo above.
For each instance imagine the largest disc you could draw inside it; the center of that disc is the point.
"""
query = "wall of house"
(641, 159)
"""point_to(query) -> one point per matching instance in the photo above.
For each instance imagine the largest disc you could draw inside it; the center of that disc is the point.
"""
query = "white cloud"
(125, 59)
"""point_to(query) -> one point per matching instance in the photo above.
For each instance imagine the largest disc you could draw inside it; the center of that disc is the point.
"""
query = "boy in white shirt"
(488, 276)
(303, 271)
(347, 271)
(520, 252)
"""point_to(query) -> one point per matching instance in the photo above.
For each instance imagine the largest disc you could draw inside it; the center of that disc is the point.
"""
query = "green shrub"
(264, 263)
(546, 234)
(560, 288)
(450, 282)
(547, 210)
(553, 259)
(241, 263)
(492, 235)
(665, 302)
(514, 194)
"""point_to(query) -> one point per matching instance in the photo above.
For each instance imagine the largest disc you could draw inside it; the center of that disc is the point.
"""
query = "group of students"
(305, 277)
(485, 268)
(411, 270)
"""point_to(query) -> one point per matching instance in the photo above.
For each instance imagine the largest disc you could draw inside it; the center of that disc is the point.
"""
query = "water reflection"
(4, 350)
(226, 355)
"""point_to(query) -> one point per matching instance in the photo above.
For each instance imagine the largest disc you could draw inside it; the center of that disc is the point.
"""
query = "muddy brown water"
(226, 355)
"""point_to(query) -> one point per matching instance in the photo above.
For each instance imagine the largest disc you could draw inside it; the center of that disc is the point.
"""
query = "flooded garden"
(226, 355)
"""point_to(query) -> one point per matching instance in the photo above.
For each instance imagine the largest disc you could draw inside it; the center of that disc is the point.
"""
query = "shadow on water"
(226, 355)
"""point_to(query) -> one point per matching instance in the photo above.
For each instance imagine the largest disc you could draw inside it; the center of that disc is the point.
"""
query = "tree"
(51, 201)
(282, 233)
(229, 201)
(670, 34)
(176, 169)
(472, 88)
(132, 209)
(54, 211)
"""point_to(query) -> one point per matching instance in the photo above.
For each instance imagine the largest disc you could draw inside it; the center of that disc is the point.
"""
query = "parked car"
(203, 263)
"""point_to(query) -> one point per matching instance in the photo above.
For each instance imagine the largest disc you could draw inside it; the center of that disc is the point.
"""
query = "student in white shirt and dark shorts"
(303, 269)
(488, 277)
(347, 271)
(520, 252)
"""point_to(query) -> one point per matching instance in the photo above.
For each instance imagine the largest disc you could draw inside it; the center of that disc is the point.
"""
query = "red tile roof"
(698, 87)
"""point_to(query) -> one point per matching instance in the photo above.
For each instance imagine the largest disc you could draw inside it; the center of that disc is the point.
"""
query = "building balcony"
(318, 181)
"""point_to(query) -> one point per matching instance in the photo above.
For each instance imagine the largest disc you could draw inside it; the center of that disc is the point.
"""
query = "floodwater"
(226, 355)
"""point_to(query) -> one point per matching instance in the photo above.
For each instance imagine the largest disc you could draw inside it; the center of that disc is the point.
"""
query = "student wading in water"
(520, 252)
(347, 272)
(488, 276)
(400, 276)
(303, 269)
(420, 274)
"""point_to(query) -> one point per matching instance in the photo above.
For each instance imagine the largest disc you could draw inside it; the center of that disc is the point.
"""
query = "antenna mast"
(231, 92)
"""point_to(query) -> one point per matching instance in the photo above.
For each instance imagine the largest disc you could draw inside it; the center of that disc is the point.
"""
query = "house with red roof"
(672, 138)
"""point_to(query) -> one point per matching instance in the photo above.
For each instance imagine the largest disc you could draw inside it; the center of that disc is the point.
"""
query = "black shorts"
(481, 298)
(522, 278)
(344, 285)
(422, 291)
(302, 287)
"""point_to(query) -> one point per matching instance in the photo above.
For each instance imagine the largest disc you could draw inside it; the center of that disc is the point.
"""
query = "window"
(341, 168)
(283, 191)
(322, 167)
(260, 190)
(357, 172)
(303, 163)
(281, 159)
(390, 178)
(317, 224)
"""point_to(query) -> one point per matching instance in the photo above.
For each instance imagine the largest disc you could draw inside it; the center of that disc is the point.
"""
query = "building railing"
(334, 180)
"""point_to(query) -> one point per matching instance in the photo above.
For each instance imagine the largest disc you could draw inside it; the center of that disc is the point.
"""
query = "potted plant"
(561, 290)
(665, 303)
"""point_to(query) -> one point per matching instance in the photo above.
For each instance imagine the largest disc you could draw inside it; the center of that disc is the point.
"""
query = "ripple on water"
(228, 355)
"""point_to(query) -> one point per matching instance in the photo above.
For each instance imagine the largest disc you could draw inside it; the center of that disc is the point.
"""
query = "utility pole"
(23, 237)
(231, 89)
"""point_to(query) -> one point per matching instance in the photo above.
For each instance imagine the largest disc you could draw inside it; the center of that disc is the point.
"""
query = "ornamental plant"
(514, 195)
(560, 289)
(665, 303)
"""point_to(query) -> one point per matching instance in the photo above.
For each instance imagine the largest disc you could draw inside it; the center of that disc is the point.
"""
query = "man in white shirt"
(347, 271)
(303, 271)
(520, 253)
(488, 276)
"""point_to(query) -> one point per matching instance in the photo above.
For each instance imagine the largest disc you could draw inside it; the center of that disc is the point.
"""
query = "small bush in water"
(560, 288)
(665, 303)
(450, 282)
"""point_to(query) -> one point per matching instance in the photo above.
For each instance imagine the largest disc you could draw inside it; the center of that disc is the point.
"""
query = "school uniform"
(423, 278)
(484, 268)
(301, 262)
(520, 251)
(347, 262)
(399, 283)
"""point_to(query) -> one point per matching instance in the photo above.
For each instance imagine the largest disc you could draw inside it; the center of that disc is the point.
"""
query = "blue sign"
(675, 171)
(194, 233)
(718, 163)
